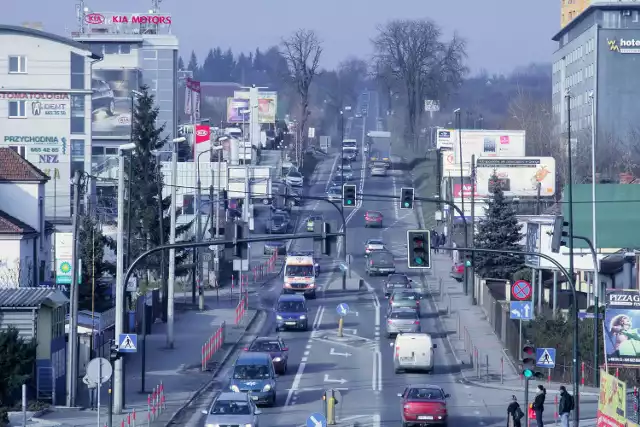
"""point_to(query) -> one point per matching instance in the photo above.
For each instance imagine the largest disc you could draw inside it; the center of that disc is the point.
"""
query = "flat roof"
(48, 36)
(589, 10)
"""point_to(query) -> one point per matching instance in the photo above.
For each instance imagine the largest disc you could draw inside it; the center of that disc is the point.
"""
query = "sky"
(501, 34)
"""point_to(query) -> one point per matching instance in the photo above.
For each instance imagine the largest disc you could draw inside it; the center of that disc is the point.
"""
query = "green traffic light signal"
(419, 260)
(349, 201)
(406, 204)
(467, 263)
(528, 373)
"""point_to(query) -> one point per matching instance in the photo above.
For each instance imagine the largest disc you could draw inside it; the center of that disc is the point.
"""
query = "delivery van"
(413, 351)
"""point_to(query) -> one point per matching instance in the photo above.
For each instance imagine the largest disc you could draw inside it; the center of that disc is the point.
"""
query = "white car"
(378, 171)
(373, 245)
(334, 194)
(295, 179)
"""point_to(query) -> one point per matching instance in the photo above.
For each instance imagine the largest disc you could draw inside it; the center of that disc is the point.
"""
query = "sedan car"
(396, 282)
(334, 194)
(457, 271)
(275, 246)
(379, 170)
(277, 224)
(295, 179)
(401, 320)
(337, 180)
(373, 245)
(345, 166)
(380, 263)
(423, 405)
(373, 219)
(348, 175)
(312, 220)
(232, 409)
(405, 299)
(276, 347)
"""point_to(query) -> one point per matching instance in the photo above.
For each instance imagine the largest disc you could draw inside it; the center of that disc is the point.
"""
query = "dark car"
(380, 263)
(405, 298)
(275, 246)
(102, 97)
(338, 180)
(278, 224)
(423, 405)
(394, 282)
(253, 373)
(276, 347)
(292, 312)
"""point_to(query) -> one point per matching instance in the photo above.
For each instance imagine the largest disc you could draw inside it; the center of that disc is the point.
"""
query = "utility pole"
(473, 226)
(172, 240)
(196, 253)
(72, 360)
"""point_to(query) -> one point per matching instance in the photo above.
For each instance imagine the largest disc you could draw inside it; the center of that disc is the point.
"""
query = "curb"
(215, 372)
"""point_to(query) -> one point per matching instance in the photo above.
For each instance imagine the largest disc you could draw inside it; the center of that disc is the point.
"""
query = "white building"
(25, 240)
(45, 108)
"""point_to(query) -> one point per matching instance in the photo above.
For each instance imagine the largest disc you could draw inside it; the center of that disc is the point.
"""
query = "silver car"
(402, 320)
(378, 171)
(232, 409)
(406, 298)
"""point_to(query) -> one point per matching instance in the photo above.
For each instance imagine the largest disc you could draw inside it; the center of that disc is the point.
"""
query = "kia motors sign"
(111, 19)
(94, 18)
(203, 133)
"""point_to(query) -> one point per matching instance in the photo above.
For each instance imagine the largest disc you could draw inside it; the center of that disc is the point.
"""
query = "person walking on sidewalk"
(514, 413)
(538, 404)
(565, 406)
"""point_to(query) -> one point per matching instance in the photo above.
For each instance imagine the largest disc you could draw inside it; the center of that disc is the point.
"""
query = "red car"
(373, 219)
(423, 405)
(457, 271)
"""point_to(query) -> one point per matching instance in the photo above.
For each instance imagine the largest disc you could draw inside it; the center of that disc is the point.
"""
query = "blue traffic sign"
(342, 309)
(316, 420)
(546, 357)
(522, 310)
(127, 343)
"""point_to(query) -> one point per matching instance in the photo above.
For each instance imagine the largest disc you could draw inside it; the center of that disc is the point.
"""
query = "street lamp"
(245, 205)
(458, 117)
(594, 229)
(134, 95)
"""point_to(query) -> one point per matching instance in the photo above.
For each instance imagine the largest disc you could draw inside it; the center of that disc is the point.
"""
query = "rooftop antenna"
(155, 4)
(81, 10)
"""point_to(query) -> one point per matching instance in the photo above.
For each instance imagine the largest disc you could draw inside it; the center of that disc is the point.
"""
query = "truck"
(381, 151)
(349, 149)
(300, 272)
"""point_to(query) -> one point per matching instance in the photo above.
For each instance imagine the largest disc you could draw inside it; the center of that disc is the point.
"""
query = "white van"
(413, 351)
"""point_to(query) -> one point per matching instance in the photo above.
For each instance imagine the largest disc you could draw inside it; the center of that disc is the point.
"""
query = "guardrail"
(212, 345)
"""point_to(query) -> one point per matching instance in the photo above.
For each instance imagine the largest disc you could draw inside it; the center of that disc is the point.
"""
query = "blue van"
(253, 373)
(292, 312)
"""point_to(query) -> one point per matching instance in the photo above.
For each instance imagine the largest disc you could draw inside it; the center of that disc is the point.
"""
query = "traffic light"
(349, 196)
(406, 198)
(419, 249)
(225, 199)
(529, 363)
(240, 249)
(558, 233)
(114, 351)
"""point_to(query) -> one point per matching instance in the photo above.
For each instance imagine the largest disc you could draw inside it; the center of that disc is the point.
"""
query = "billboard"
(234, 108)
(612, 402)
(621, 332)
(111, 101)
(478, 142)
(267, 105)
(518, 176)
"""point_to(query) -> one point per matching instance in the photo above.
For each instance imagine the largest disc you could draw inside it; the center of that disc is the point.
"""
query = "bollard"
(617, 371)
(555, 414)
(465, 338)
(163, 400)
(128, 419)
(487, 362)
(549, 377)
(635, 404)
(340, 327)
(122, 423)
(440, 289)
(502, 370)
(459, 337)
(134, 417)
(148, 409)
(477, 360)
(449, 306)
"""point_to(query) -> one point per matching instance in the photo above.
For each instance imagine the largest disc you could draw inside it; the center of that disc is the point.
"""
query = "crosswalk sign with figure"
(127, 343)
(546, 357)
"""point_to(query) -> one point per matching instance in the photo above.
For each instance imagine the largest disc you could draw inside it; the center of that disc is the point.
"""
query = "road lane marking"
(317, 321)
(376, 375)
(304, 359)
(306, 353)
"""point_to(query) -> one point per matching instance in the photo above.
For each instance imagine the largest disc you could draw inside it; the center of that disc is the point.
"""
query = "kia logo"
(94, 18)
(202, 133)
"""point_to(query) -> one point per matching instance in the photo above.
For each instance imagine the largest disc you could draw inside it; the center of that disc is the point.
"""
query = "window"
(125, 49)
(111, 49)
(77, 150)
(77, 71)
(97, 151)
(151, 54)
(17, 64)
(111, 151)
(77, 114)
(17, 109)
(20, 149)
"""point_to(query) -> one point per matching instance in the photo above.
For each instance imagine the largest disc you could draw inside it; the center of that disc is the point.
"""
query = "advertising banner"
(518, 176)
(195, 87)
(621, 332)
(111, 101)
(466, 191)
(267, 105)
(612, 402)
(203, 133)
(188, 98)
(234, 108)
(531, 244)
(479, 142)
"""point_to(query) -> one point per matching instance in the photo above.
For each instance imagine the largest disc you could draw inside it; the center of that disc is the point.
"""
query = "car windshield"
(403, 315)
(346, 167)
(375, 242)
(425, 394)
(299, 270)
(314, 218)
(277, 243)
(334, 190)
(378, 165)
(231, 407)
(278, 219)
(291, 307)
(251, 372)
(397, 279)
(371, 214)
(295, 174)
(266, 346)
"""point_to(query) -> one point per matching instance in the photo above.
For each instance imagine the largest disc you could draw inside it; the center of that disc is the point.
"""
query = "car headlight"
(266, 388)
(303, 317)
(277, 359)
(248, 425)
(235, 389)
(278, 317)
(213, 425)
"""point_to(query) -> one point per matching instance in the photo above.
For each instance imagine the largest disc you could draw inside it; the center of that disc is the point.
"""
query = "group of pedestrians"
(437, 240)
(515, 413)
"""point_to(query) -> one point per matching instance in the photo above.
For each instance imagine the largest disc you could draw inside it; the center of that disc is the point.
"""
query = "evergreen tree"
(193, 64)
(180, 63)
(498, 230)
(208, 66)
(91, 244)
(17, 364)
(147, 182)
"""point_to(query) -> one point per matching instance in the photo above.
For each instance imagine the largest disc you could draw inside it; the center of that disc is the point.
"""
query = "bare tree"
(418, 61)
(15, 274)
(302, 50)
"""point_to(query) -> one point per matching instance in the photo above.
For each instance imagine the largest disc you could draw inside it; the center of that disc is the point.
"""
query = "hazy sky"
(501, 34)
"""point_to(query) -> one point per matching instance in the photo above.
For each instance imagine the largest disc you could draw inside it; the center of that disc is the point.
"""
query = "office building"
(569, 9)
(138, 49)
(45, 108)
(597, 60)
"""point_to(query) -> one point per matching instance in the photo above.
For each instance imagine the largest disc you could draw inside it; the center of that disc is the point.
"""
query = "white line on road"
(376, 375)
(377, 318)
(317, 321)
(376, 420)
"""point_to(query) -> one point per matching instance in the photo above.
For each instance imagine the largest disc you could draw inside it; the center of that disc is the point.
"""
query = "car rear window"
(402, 315)
(398, 279)
(404, 295)
(266, 346)
(425, 394)
(381, 256)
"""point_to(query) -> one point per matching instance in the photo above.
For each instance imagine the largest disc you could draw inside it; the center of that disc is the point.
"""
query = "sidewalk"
(178, 370)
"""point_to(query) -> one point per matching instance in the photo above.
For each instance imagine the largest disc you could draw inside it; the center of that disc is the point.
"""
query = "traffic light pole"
(576, 370)
(526, 401)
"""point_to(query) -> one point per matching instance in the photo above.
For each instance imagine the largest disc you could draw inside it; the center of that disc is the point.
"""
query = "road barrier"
(156, 403)
(241, 308)
(260, 272)
(476, 358)
(212, 345)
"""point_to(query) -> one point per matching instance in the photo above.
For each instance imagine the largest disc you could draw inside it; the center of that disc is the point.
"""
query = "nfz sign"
(49, 158)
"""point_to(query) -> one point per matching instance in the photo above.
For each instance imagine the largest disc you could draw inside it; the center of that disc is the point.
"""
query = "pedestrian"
(565, 406)
(436, 240)
(443, 240)
(538, 404)
(514, 413)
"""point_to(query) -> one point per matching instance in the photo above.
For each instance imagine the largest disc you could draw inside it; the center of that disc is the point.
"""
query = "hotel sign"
(624, 45)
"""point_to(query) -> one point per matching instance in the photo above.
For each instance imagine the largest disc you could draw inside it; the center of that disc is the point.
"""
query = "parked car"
(380, 263)
(423, 405)
(373, 219)
(276, 347)
(232, 409)
(401, 320)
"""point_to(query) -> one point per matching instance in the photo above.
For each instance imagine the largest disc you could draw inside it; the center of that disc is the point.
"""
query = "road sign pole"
(98, 388)
(526, 392)
(520, 335)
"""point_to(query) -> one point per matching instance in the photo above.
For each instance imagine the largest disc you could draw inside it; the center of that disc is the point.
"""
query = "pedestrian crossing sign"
(127, 343)
(546, 357)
